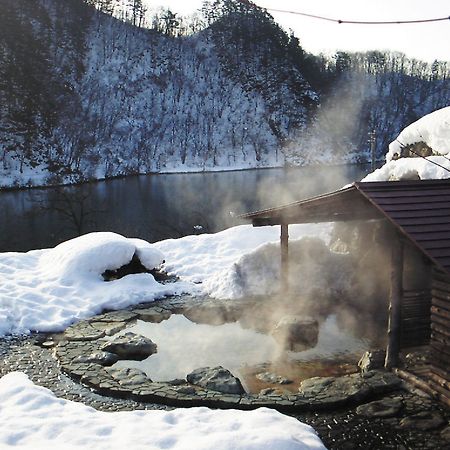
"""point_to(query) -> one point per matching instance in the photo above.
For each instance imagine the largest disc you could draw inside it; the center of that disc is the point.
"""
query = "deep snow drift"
(434, 131)
(47, 290)
(32, 417)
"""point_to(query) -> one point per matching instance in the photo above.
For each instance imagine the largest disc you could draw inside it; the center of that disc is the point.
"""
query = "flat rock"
(216, 379)
(109, 328)
(100, 357)
(128, 377)
(424, 421)
(296, 333)
(83, 331)
(115, 316)
(387, 407)
(130, 346)
(354, 388)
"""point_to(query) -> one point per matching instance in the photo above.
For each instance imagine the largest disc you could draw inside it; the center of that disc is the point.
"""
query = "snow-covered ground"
(46, 290)
(433, 130)
(31, 417)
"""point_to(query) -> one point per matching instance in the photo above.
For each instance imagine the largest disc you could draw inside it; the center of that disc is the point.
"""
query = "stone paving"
(407, 420)
(87, 349)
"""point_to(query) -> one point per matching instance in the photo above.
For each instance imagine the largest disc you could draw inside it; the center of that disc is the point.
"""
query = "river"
(155, 207)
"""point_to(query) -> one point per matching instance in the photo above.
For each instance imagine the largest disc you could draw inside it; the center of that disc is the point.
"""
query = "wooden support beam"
(395, 303)
(284, 241)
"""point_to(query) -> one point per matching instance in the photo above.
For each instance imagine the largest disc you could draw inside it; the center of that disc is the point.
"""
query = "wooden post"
(395, 302)
(284, 238)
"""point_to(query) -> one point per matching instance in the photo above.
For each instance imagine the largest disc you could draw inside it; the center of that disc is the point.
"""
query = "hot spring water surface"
(251, 355)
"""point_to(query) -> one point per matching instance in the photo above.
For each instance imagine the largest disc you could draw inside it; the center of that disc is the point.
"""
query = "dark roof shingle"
(420, 210)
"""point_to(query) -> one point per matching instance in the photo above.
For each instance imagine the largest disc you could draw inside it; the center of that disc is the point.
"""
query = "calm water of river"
(155, 207)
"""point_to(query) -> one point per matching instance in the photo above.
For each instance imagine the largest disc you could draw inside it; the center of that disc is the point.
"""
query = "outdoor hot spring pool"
(244, 342)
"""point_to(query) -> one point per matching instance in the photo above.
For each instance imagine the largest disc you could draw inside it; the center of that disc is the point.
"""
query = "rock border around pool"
(81, 353)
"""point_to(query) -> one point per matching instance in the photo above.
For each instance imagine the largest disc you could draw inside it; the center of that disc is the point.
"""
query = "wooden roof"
(420, 210)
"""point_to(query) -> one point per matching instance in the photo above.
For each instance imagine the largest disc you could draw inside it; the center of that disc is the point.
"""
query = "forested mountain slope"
(84, 95)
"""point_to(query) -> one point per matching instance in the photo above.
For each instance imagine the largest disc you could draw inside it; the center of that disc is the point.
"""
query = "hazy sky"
(424, 41)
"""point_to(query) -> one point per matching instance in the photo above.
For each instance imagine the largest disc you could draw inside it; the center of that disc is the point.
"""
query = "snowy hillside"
(140, 102)
(84, 95)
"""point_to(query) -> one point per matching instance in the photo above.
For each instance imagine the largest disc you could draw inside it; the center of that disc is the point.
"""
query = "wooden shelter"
(417, 214)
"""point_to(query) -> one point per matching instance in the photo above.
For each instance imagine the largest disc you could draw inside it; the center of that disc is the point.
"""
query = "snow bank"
(314, 270)
(411, 169)
(432, 129)
(211, 259)
(32, 417)
(46, 290)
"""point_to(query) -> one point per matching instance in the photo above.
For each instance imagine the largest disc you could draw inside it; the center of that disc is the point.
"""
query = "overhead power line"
(359, 22)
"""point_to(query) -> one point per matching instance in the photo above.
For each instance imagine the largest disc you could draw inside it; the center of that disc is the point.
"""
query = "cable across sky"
(359, 22)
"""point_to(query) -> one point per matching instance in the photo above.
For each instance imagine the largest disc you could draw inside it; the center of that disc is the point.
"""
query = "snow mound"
(313, 268)
(211, 259)
(93, 253)
(32, 417)
(432, 129)
(46, 290)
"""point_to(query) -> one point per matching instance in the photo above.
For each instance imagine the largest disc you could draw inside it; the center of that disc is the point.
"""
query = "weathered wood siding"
(440, 333)
(416, 318)
(416, 301)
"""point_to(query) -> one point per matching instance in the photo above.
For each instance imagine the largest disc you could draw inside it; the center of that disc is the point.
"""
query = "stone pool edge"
(87, 336)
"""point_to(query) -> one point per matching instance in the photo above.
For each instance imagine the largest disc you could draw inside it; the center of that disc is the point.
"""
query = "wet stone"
(177, 382)
(424, 421)
(131, 346)
(352, 388)
(273, 392)
(273, 378)
(188, 390)
(109, 328)
(387, 407)
(100, 357)
(83, 331)
(296, 333)
(116, 316)
(217, 379)
(127, 377)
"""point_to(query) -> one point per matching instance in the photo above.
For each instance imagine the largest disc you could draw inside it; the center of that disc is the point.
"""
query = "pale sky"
(423, 41)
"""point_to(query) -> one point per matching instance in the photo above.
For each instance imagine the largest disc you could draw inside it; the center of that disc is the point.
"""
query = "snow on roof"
(33, 417)
(433, 130)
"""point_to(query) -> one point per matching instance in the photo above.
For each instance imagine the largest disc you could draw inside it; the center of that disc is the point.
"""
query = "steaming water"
(184, 346)
(156, 207)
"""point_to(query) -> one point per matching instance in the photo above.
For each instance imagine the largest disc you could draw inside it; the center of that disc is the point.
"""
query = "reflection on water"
(184, 346)
(156, 207)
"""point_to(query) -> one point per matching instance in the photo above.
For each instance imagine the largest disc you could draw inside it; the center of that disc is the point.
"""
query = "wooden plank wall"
(440, 334)
(415, 322)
